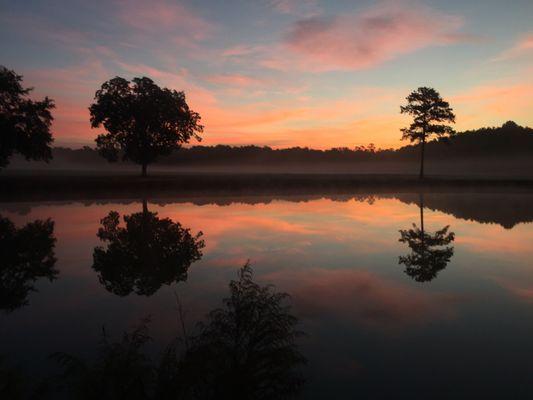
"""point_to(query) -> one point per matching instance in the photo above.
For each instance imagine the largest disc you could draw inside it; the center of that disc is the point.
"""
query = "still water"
(388, 309)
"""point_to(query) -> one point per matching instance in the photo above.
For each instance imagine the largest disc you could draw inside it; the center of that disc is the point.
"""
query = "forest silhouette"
(489, 145)
(145, 123)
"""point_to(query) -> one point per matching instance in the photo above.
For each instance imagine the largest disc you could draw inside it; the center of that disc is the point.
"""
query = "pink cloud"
(494, 103)
(296, 7)
(522, 47)
(369, 38)
(235, 80)
(163, 16)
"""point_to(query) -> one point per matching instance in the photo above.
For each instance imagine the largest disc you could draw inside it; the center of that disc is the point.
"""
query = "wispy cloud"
(160, 16)
(239, 80)
(304, 8)
(522, 47)
(368, 38)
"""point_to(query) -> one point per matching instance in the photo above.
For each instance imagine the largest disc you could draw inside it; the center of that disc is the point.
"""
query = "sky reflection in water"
(371, 328)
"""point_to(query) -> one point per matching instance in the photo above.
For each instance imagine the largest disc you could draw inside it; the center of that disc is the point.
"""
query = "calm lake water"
(446, 311)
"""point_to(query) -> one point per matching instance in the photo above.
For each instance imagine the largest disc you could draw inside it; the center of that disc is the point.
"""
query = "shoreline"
(99, 186)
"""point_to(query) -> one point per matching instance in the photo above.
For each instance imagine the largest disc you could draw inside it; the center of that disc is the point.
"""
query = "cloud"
(304, 8)
(161, 16)
(494, 103)
(522, 47)
(368, 38)
(235, 80)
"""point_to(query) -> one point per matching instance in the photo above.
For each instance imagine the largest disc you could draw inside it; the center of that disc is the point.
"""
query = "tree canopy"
(430, 114)
(26, 255)
(24, 123)
(430, 253)
(142, 120)
(145, 254)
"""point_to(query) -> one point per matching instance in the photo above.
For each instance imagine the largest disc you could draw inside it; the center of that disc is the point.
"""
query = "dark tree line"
(144, 123)
(509, 140)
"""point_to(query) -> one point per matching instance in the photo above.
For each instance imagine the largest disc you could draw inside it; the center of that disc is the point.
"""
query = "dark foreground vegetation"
(245, 349)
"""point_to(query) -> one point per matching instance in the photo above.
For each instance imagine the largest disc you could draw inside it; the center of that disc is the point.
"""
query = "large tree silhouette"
(24, 123)
(430, 114)
(144, 254)
(430, 252)
(26, 255)
(142, 120)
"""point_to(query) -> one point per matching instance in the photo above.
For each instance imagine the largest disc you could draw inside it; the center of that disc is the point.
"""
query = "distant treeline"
(509, 140)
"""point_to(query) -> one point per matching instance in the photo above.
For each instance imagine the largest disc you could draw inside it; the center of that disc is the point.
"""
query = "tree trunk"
(422, 212)
(145, 206)
(423, 144)
(144, 169)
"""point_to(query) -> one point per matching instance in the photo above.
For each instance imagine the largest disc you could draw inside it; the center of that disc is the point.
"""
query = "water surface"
(449, 312)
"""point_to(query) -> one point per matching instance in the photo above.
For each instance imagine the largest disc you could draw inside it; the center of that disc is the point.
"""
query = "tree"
(145, 254)
(142, 120)
(27, 254)
(430, 253)
(24, 123)
(430, 114)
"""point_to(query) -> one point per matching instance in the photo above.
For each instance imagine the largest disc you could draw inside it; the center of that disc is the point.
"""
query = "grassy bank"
(64, 187)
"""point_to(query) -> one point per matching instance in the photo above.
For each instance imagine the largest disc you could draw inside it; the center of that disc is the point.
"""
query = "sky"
(280, 73)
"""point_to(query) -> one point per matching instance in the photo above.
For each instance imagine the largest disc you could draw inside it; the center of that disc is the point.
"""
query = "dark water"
(447, 312)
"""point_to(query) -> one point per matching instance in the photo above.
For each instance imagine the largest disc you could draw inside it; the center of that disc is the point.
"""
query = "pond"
(403, 295)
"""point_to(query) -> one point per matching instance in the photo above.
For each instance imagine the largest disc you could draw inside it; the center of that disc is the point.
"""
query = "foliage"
(142, 120)
(429, 112)
(245, 350)
(26, 255)
(24, 123)
(121, 370)
(430, 253)
(145, 254)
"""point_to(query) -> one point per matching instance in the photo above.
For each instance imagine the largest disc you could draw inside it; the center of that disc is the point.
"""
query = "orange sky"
(281, 72)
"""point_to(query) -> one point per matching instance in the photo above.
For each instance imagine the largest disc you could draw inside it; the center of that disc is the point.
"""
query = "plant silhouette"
(142, 120)
(430, 252)
(430, 112)
(24, 123)
(145, 254)
(245, 350)
(26, 254)
(120, 370)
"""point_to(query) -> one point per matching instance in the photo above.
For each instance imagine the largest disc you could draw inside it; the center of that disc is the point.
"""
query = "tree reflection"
(430, 252)
(26, 254)
(245, 350)
(145, 254)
